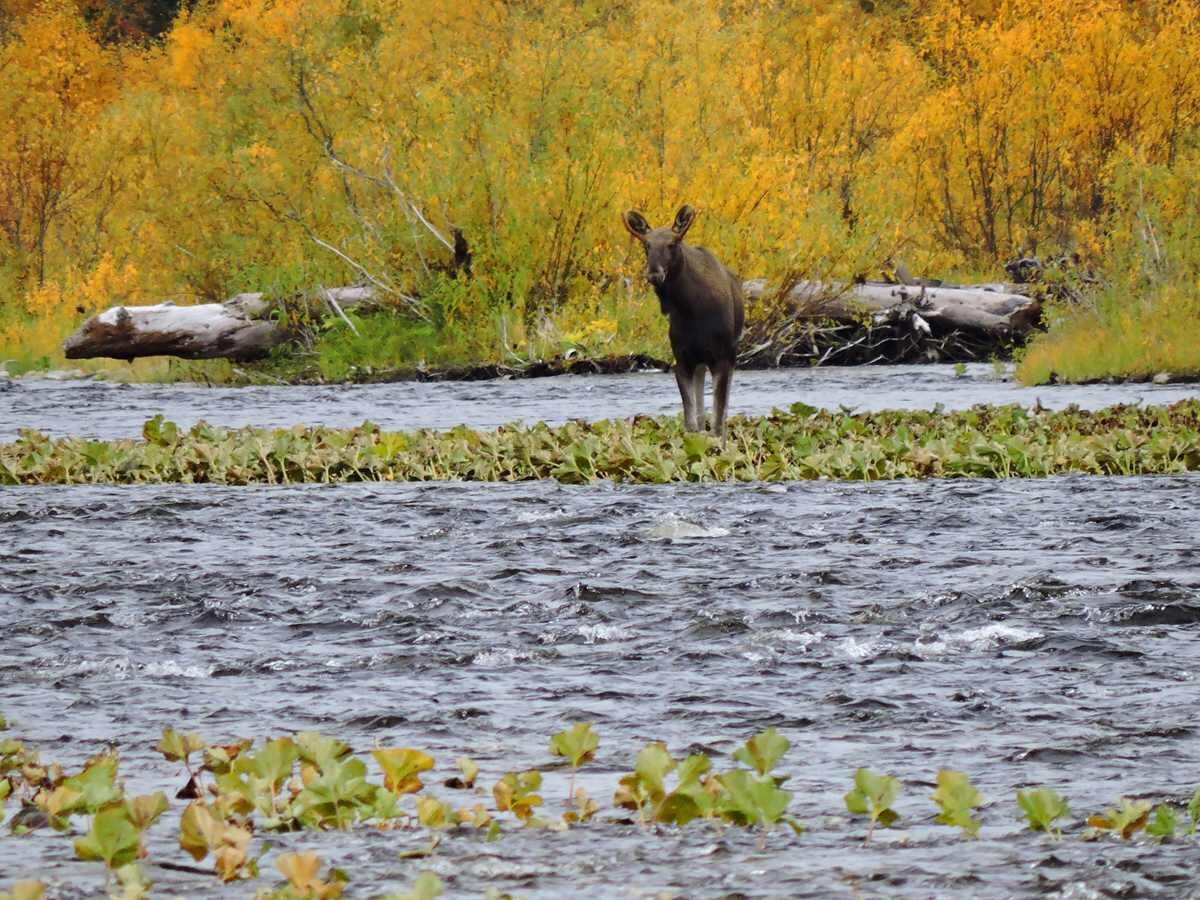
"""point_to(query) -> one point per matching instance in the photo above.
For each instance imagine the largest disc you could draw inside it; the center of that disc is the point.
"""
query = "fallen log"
(986, 310)
(236, 329)
(241, 329)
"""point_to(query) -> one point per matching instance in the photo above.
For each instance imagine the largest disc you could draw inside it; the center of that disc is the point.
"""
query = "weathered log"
(232, 330)
(984, 309)
(239, 329)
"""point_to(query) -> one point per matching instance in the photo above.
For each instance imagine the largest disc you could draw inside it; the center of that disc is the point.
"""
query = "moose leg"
(698, 396)
(683, 378)
(722, 377)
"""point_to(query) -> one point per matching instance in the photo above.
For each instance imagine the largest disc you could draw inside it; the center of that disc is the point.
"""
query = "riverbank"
(798, 444)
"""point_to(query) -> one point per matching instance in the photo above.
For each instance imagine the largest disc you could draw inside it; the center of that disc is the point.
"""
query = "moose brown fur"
(702, 301)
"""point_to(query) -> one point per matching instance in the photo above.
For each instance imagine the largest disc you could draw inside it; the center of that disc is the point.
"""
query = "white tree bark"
(230, 330)
(990, 310)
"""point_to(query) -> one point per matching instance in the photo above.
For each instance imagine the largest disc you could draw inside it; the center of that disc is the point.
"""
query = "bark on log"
(983, 309)
(231, 330)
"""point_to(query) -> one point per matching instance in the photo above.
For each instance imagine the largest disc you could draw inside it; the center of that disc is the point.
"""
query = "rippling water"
(1027, 632)
(98, 409)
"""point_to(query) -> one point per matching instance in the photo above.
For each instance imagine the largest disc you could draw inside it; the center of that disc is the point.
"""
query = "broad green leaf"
(434, 813)
(273, 763)
(654, 762)
(401, 767)
(112, 839)
(145, 809)
(1042, 807)
(1194, 810)
(219, 758)
(763, 751)
(1163, 823)
(752, 801)
(873, 795)
(178, 747)
(515, 793)
(319, 750)
(96, 784)
(337, 796)
(956, 797)
(577, 743)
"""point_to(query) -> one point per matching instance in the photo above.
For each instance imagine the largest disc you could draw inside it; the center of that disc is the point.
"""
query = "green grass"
(1120, 336)
(802, 443)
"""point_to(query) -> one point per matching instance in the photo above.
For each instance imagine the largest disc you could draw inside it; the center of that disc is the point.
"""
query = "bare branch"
(333, 304)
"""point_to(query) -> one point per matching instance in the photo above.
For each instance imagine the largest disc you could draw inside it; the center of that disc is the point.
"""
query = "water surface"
(1026, 632)
(98, 409)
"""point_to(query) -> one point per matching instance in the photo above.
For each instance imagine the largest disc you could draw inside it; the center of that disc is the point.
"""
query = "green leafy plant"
(873, 796)
(1042, 807)
(755, 798)
(956, 797)
(645, 789)
(202, 830)
(517, 793)
(174, 745)
(435, 813)
(335, 795)
(578, 745)
(1194, 811)
(304, 881)
(1126, 820)
(402, 767)
(1163, 824)
(112, 839)
(984, 442)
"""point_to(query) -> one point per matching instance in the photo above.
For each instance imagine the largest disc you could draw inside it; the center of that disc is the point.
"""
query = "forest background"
(154, 151)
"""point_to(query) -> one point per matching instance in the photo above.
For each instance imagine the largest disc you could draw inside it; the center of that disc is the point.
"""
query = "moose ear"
(635, 223)
(683, 221)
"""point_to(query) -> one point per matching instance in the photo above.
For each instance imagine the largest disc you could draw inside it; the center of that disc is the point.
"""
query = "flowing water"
(1026, 632)
(98, 409)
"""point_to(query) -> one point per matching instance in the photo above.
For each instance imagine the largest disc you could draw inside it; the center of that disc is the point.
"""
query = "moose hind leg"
(722, 378)
(683, 378)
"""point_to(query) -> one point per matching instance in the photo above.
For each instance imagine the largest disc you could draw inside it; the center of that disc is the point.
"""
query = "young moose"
(702, 301)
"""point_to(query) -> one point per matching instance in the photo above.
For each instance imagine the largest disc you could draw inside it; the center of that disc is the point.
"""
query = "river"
(1026, 632)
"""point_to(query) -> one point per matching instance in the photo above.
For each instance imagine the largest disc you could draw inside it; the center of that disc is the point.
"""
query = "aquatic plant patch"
(235, 796)
(796, 444)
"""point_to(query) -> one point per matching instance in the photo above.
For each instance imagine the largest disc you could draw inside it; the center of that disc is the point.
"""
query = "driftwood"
(233, 330)
(992, 310)
(242, 329)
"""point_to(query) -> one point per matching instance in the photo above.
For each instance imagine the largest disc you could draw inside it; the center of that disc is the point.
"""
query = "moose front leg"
(722, 377)
(685, 378)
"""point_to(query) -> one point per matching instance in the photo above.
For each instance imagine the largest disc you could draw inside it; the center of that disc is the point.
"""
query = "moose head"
(664, 253)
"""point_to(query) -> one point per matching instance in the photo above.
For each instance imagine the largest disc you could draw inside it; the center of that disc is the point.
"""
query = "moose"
(702, 301)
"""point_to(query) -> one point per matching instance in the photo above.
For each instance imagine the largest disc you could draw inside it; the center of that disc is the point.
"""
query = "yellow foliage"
(817, 138)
